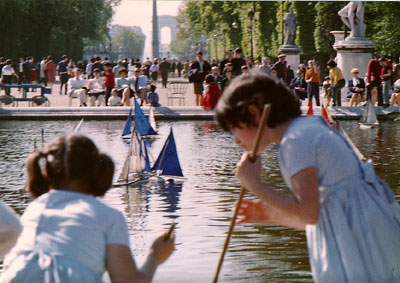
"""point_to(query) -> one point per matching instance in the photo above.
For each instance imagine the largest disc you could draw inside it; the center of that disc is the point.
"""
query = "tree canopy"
(260, 22)
(41, 27)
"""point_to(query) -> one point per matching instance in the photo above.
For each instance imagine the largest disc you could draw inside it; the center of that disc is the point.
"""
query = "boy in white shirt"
(77, 88)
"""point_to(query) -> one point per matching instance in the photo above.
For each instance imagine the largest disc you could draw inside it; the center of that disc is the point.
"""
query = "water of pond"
(201, 207)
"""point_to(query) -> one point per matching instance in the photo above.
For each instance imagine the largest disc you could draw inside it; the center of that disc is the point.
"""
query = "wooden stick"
(346, 136)
(253, 156)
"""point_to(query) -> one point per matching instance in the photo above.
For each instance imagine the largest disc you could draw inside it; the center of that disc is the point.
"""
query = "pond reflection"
(201, 205)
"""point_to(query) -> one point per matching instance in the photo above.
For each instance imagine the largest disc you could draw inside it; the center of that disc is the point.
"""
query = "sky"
(139, 13)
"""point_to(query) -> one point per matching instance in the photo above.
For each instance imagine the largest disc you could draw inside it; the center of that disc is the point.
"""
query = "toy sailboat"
(136, 168)
(368, 119)
(142, 125)
(167, 163)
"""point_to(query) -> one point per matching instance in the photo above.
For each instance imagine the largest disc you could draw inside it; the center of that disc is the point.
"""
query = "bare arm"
(122, 267)
(10, 229)
(297, 210)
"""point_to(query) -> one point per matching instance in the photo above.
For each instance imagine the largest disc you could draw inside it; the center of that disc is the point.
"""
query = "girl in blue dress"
(68, 234)
(350, 216)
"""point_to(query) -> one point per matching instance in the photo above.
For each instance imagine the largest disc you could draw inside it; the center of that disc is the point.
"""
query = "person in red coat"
(109, 81)
(212, 93)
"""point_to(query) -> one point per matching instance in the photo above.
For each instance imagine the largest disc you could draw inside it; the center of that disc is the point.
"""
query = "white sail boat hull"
(369, 119)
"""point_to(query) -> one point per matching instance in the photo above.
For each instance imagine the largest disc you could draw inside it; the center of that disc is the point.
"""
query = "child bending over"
(68, 234)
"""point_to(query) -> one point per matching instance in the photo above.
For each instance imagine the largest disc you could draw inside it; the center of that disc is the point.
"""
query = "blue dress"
(64, 239)
(357, 236)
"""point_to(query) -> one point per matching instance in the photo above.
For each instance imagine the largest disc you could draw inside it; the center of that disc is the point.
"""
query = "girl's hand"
(253, 211)
(162, 247)
(248, 172)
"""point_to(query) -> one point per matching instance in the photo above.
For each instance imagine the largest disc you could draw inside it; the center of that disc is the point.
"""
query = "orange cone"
(310, 110)
(326, 116)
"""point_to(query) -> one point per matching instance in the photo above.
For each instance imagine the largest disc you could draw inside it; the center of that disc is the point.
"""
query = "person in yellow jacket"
(337, 82)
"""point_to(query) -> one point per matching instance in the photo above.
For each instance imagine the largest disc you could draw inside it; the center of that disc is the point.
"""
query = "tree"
(265, 25)
(315, 22)
(305, 14)
(129, 41)
(382, 23)
(41, 27)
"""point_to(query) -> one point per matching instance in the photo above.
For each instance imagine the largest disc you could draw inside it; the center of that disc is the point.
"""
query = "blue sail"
(143, 150)
(168, 161)
(128, 124)
(142, 125)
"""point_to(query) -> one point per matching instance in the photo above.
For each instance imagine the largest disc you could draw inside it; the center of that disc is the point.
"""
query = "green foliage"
(327, 20)
(265, 24)
(41, 27)
(131, 42)
(305, 14)
(315, 21)
(382, 22)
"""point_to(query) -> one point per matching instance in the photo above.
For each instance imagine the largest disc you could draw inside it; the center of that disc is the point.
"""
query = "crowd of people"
(97, 81)
(380, 84)
(101, 80)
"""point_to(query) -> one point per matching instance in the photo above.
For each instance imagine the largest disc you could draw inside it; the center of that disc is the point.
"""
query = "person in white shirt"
(123, 85)
(42, 73)
(96, 89)
(131, 68)
(7, 72)
(116, 68)
(114, 100)
(77, 88)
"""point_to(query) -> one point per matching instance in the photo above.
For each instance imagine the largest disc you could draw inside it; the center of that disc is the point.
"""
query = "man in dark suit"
(202, 68)
(299, 85)
(238, 62)
(356, 87)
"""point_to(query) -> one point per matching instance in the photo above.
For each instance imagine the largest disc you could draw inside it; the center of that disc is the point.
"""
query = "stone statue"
(352, 16)
(290, 27)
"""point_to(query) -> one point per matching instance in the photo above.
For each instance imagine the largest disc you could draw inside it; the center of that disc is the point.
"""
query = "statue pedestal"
(292, 53)
(352, 53)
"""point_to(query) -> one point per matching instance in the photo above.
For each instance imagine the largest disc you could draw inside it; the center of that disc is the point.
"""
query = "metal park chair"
(7, 100)
(177, 91)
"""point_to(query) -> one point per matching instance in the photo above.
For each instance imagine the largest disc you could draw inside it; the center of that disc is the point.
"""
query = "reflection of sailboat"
(137, 165)
(368, 118)
(167, 163)
(78, 127)
(142, 125)
(152, 118)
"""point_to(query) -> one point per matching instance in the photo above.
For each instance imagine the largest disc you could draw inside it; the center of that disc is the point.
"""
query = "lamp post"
(209, 47)
(216, 46)
(224, 35)
(235, 25)
(251, 16)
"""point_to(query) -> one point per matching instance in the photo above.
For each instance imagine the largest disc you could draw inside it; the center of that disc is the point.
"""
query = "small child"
(212, 93)
(327, 91)
(115, 99)
(68, 234)
(152, 96)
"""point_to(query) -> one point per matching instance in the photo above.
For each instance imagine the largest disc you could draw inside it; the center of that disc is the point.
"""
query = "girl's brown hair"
(72, 159)
(256, 88)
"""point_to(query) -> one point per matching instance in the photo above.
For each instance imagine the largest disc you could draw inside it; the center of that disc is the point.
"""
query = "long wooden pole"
(253, 156)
